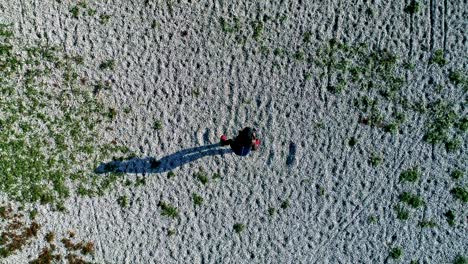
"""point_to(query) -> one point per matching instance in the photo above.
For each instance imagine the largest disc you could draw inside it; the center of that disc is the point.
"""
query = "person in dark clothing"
(244, 142)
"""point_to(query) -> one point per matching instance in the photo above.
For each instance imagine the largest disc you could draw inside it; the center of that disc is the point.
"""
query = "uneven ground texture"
(175, 63)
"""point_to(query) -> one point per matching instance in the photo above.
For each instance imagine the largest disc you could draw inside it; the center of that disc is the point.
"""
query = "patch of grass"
(409, 66)
(285, 204)
(450, 217)
(453, 144)
(460, 260)
(91, 11)
(391, 128)
(375, 159)
(257, 30)
(32, 214)
(197, 199)
(278, 52)
(438, 58)
(104, 19)
(402, 214)
(171, 232)
(457, 77)
(307, 36)
(320, 190)
(462, 124)
(226, 26)
(87, 248)
(107, 65)
(75, 11)
(411, 199)
(460, 193)
(442, 118)
(271, 211)
(396, 253)
(429, 223)
(457, 174)
(157, 125)
(299, 55)
(155, 24)
(201, 176)
(352, 142)
(112, 113)
(170, 174)
(123, 201)
(140, 181)
(216, 176)
(101, 86)
(238, 227)
(49, 237)
(168, 210)
(412, 8)
(410, 175)
(372, 219)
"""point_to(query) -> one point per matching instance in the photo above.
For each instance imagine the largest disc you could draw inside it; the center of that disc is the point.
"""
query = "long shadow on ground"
(168, 163)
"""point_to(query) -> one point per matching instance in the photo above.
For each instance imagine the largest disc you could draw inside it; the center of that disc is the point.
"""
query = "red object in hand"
(223, 138)
(257, 142)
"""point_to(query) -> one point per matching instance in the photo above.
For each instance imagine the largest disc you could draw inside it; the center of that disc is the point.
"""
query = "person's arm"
(255, 144)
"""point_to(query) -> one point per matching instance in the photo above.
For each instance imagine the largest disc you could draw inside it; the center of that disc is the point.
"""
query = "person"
(244, 142)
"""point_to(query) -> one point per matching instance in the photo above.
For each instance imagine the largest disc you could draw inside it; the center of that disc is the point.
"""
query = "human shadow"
(168, 163)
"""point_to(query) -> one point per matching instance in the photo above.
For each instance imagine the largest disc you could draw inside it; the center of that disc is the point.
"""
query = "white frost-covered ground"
(157, 71)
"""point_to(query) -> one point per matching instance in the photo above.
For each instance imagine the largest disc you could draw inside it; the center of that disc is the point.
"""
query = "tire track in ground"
(432, 19)
(445, 27)
(410, 51)
(334, 34)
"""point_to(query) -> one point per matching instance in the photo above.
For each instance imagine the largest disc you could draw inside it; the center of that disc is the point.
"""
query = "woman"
(243, 143)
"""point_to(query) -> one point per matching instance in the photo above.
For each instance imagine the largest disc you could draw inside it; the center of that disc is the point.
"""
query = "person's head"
(246, 135)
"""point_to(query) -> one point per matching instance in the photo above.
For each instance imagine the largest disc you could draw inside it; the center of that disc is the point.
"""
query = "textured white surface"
(158, 69)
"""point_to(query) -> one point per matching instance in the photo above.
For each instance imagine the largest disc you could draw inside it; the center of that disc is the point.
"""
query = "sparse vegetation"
(438, 58)
(107, 65)
(157, 125)
(201, 176)
(123, 201)
(238, 227)
(457, 77)
(171, 232)
(460, 193)
(396, 253)
(51, 134)
(352, 141)
(460, 260)
(216, 176)
(411, 199)
(457, 174)
(257, 30)
(170, 174)
(412, 8)
(49, 237)
(307, 37)
(197, 199)
(375, 160)
(450, 217)
(168, 210)
(285, 204)
(402, 214)
(227, 27)
(271, 211)
(410, 175)
(429, 223)
(104, 19)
